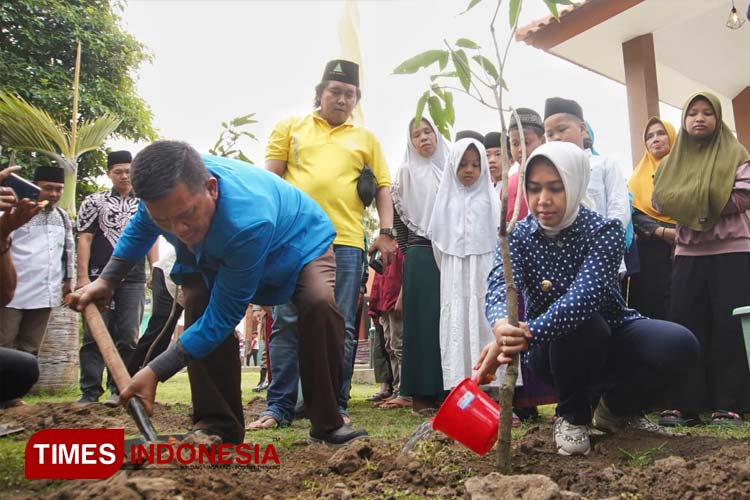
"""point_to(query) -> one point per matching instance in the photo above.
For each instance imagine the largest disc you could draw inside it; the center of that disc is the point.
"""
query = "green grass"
(645, 458)
(11, 462)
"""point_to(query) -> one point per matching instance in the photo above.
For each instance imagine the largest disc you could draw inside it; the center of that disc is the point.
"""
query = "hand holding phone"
(22, 187)
(376, 262)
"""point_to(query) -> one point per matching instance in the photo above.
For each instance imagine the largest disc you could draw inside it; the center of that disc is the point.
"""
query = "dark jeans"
(123, 321)
(19, 371)
(631, 365)
(161, 306)
(254, 356)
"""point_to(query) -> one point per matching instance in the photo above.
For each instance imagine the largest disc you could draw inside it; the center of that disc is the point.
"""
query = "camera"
(376, 262)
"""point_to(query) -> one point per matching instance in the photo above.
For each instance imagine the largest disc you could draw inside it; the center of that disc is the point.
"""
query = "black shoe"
(338, 437)
(84, 401)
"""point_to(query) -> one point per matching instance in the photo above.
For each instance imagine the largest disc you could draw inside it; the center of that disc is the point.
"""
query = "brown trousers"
(215, 379)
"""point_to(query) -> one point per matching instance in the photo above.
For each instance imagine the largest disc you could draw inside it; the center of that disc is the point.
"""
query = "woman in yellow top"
(649, 290)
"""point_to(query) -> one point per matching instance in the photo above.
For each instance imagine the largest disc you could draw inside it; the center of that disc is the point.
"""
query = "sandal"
(263, 422)
(674, 418)
(392, 404)
(727, 418)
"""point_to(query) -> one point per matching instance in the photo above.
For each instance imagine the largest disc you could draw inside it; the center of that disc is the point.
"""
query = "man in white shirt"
(608, 190)
(43, 255)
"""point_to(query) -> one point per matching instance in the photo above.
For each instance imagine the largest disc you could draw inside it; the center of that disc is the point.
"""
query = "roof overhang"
(694, 50)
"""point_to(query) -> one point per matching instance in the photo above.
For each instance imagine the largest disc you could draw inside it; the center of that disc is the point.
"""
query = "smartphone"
(376, 262)
(22, 187)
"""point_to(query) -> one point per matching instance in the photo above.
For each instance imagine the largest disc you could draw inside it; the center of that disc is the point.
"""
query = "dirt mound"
(167, 418)
(627, 465)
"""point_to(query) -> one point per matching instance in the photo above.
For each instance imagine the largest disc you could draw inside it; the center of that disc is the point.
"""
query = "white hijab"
(464, 220)
(572, 164)
(417, 182)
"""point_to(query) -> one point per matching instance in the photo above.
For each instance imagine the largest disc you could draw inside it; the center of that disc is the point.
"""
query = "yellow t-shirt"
(326, 163)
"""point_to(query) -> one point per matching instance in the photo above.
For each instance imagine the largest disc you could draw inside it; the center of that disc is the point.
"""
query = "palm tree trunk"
(58, 354)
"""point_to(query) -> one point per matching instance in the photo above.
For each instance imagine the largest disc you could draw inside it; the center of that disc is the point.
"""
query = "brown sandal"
(392, 404)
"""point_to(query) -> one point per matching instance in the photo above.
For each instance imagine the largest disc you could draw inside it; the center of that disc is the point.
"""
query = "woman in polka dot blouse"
(579, 336)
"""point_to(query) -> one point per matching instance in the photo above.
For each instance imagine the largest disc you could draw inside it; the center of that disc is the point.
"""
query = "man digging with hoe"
(242, 235)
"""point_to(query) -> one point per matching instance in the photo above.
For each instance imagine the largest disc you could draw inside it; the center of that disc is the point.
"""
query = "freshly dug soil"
(629, 465)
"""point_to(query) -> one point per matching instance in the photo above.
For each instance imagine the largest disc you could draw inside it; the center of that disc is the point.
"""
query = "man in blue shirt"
(242, 236)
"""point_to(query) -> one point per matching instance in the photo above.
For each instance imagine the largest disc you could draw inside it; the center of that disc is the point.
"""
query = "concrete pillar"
(741, 108)
(641, 86)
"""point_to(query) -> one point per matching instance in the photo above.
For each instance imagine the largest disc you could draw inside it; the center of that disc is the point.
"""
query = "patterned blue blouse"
(566, 280)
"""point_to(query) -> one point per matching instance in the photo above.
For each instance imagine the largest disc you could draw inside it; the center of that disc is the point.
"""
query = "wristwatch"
(388, 231)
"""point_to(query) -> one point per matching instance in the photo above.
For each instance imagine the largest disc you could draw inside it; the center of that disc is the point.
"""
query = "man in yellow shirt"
(324, 154)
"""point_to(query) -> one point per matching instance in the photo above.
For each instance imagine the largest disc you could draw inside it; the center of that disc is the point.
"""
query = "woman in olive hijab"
(704, 185)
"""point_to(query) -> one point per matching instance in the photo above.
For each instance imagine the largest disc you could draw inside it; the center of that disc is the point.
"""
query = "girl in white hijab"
(464, 233)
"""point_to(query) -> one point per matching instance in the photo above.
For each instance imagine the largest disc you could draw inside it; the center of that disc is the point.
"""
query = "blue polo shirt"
(262, 234)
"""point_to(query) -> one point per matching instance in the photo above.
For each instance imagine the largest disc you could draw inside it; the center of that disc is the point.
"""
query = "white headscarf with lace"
(465, 219)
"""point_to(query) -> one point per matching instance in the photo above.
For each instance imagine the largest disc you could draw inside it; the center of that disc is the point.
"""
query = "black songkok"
(555, 105)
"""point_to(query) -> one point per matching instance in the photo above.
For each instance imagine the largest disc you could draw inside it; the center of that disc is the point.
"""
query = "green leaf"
(462, 68)
(443, 60)
(438, 116)
(466, 43)
(420, 106)
(487, 66)
(552, 6)
(419, 61)
(438, 91)
(472, 4)
(515, 9)
(241, 156)
(449, 74)
(450, 112)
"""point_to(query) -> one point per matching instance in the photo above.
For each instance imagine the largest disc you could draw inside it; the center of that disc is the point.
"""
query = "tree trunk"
(58, 354)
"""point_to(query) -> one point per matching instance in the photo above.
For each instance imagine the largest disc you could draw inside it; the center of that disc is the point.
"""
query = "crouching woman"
(579, 337)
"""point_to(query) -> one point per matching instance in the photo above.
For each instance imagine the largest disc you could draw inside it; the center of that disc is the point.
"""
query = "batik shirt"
(564, 281)
(105, 215)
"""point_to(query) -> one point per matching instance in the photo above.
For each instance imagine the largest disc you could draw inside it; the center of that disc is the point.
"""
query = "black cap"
(342, 70)
(492, 140)
(49, 174)
(529, 118)
(469, 134)
(555, 105)
(117, 157)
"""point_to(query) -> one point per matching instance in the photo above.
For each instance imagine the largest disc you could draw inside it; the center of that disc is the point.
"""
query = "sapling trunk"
(507, 390)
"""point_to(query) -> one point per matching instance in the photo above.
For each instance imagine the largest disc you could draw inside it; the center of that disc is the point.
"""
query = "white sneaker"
(606, 421)
(571, 439)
